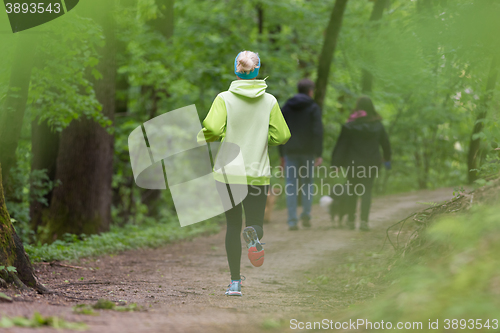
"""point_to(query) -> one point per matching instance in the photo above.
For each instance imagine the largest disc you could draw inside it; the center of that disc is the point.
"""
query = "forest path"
(182, 285)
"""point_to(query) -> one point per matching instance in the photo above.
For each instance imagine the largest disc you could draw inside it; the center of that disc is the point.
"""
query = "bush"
(457, 278)
(118, 239)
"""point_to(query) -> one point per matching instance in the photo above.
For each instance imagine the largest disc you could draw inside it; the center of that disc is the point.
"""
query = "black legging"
(254, 204)
(366, 198)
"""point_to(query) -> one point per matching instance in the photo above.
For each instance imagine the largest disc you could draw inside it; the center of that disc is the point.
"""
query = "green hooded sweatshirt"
(249, 117)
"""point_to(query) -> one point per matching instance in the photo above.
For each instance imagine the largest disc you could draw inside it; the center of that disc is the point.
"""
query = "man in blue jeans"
(302, 152)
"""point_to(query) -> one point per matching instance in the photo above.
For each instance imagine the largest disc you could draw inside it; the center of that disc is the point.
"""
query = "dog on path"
(336, 205)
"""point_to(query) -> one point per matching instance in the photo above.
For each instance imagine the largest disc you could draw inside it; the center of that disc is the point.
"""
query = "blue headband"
(252, 75)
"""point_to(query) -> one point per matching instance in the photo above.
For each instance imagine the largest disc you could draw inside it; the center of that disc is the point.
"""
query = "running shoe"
(234, 288)
(255, 249)
(306, 222)
(293, 227)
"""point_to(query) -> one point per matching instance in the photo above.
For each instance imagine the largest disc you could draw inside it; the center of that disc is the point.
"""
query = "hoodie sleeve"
(281, 148)
(278, 129)
(386, 145)
(214, 125)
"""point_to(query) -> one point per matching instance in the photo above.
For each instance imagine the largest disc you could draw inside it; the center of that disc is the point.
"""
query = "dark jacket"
(303, 117)
(359, 141)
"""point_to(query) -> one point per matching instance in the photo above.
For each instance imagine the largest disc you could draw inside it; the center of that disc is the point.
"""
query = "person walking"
(250, 119)
(357, 150)
(302, 152)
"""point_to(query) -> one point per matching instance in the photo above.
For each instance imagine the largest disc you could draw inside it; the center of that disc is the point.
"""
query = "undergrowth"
(37, 320)
(458, 278)
(73, 247)
(453, 273)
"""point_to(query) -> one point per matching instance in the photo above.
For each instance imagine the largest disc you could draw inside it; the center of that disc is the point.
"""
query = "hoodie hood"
(299, 102)
(248, 88)
(364, 129)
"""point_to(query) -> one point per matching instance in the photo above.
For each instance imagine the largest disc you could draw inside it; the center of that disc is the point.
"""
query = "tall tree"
(475, 140)
(328, 50)
(260, 17)
(164, 24)
(12, 252)
(82, 203)
(12, 112)
(377, 12)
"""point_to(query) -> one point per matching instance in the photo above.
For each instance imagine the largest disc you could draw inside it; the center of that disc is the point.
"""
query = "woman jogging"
(248, 118)
(357, 150)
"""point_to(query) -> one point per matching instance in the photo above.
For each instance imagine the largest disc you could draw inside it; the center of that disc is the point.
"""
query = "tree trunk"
(328, 50)
(260, 17)
(165, 25)
(376, 16)
(129, 7)
(12, 252)
(44, 147)
(82, 203)
(12, 113)
(475, 142)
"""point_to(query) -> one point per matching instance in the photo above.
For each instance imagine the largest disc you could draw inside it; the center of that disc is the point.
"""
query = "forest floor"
(180, 287)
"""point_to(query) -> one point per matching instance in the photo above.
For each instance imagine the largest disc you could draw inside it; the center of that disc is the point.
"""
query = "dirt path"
(182, 285)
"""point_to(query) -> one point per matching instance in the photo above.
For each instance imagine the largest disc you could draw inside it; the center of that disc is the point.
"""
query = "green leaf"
(5, 297)
(6, 322)
(97, 75)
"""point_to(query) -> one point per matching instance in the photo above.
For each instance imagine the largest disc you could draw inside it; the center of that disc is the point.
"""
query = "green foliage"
(457, 279)
(9, 269)
(5, 297)
(40, 321)
(85, 309)
(118, 239)
(60, 89)
(489, 169)
(430, 68)
(270, 324)
(104, 304)
(17, 198)
(20, 180)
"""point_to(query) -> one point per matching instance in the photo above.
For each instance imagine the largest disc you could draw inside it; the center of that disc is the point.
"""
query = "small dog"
(337, 207)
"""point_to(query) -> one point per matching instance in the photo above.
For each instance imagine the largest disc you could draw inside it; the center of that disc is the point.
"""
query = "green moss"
(7, 246)
(55, 225)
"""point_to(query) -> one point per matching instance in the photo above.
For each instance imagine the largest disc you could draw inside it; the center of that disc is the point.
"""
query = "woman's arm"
(386, 145)
(340, 150)
(215, 122)
(278, 129)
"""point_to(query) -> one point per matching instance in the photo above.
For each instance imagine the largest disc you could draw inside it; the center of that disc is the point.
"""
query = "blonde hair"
(247, 61)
